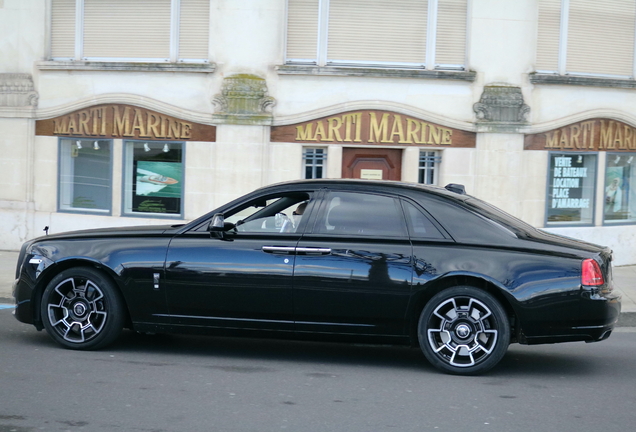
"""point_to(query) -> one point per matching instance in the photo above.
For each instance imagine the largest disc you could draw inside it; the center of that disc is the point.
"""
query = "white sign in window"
(571, 184)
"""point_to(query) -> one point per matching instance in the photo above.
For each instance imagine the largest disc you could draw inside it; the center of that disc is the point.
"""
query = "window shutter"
(194, 29)
(450, 44)
(63, 29)
(377, 31)
(548, 35)
(302, 29)
(601, 37)
(135, 29)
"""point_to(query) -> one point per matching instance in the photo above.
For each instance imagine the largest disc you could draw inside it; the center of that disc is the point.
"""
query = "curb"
(626, 319)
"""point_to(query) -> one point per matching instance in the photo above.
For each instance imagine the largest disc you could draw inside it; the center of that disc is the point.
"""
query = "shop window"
(314, 162)
(130, 30)
(85, 176)
(571, 189)
(619, 204)
(409, 33)
(153, 178)
(429, 167)
(586, 37)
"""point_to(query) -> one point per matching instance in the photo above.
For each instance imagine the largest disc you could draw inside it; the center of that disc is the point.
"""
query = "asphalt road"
(192, 383)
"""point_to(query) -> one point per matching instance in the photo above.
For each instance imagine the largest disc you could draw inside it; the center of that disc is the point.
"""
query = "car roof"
(366, 184)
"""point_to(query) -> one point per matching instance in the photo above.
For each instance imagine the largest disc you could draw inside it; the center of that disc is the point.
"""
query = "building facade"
(126, 112)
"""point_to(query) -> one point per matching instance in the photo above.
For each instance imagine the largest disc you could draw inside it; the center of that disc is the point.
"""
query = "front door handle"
(288, 250)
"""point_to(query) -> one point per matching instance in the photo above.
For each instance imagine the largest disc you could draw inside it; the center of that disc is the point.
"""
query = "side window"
(278, 214)
(420, 225)
(348, 213)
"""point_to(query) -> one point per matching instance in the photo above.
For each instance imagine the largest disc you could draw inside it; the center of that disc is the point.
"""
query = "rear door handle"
(288, 250)
(313, 250)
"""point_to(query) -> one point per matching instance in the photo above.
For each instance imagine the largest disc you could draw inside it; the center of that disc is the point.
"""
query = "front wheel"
(81, 309)
(463, 331)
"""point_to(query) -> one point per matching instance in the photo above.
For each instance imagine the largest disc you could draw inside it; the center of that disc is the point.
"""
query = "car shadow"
(519, 360)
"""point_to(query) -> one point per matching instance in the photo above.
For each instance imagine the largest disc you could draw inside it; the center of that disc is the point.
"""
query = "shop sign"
(374, 127)
(124, 121)
(589, 135)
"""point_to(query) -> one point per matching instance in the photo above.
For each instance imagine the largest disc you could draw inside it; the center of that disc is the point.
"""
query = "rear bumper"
(598, 315)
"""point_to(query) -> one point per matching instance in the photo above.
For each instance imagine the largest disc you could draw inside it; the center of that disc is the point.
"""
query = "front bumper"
(23, 294)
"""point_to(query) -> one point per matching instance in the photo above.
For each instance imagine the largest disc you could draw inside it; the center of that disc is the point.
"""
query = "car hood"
(130, 231)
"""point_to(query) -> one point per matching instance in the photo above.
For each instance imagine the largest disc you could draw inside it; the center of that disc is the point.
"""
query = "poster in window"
(619, 203)
(154, 178)
(571, 181)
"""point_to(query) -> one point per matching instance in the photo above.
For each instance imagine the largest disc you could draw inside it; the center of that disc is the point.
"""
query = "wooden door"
(372, 163)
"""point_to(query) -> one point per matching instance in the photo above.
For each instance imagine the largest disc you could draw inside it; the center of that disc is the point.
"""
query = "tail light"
(591, 274)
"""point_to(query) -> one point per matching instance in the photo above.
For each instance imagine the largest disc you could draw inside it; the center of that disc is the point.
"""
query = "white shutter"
(63, 29)
(450, 44)
(548, 35)
(377, 31)
(601, 37)
(135, 29)
(302, 29)
(194, 29)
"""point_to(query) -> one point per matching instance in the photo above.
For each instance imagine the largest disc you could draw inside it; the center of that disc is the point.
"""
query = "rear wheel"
(81, 309)
(463, 331)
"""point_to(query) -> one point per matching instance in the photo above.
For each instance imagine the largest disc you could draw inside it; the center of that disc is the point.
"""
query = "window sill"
(126, 66)
(374, 72)
(542, 78)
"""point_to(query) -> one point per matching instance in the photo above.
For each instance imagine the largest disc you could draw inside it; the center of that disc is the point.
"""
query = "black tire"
(82, 309)
(463, 331)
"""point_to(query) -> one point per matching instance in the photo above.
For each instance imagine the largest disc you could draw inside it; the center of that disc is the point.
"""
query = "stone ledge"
(126, 66)
(374, 72)
(540, 78)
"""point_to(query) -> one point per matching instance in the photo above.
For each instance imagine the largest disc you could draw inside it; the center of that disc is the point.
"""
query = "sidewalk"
(624, 282)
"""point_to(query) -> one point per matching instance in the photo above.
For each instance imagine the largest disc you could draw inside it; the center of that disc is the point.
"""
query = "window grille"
(429, 164)
(314, 162)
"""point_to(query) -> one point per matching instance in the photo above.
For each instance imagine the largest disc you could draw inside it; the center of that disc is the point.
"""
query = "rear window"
(517, 226)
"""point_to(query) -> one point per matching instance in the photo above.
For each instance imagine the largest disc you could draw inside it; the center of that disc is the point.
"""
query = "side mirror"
(217, 224)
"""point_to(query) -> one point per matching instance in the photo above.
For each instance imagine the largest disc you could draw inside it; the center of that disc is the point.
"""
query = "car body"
(345, 260)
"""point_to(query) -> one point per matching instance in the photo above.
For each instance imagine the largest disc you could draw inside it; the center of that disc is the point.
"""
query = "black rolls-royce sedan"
(339, 259)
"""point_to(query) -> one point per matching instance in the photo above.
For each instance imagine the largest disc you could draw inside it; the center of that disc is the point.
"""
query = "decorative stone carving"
(243, 100)
(16, 90)
(501, 104)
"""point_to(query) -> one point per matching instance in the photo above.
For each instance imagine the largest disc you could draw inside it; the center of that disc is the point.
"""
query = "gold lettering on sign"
(373, 127)
(552, 139)
(121, 123)
(588, 131)
(575, 131)
(629, 137)
(304, 134)
(60, 126)
(378, 132)
(412, 128)
(397, 130)
(350, 120)
(334, 129)
(606, 135)
(590, 135)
